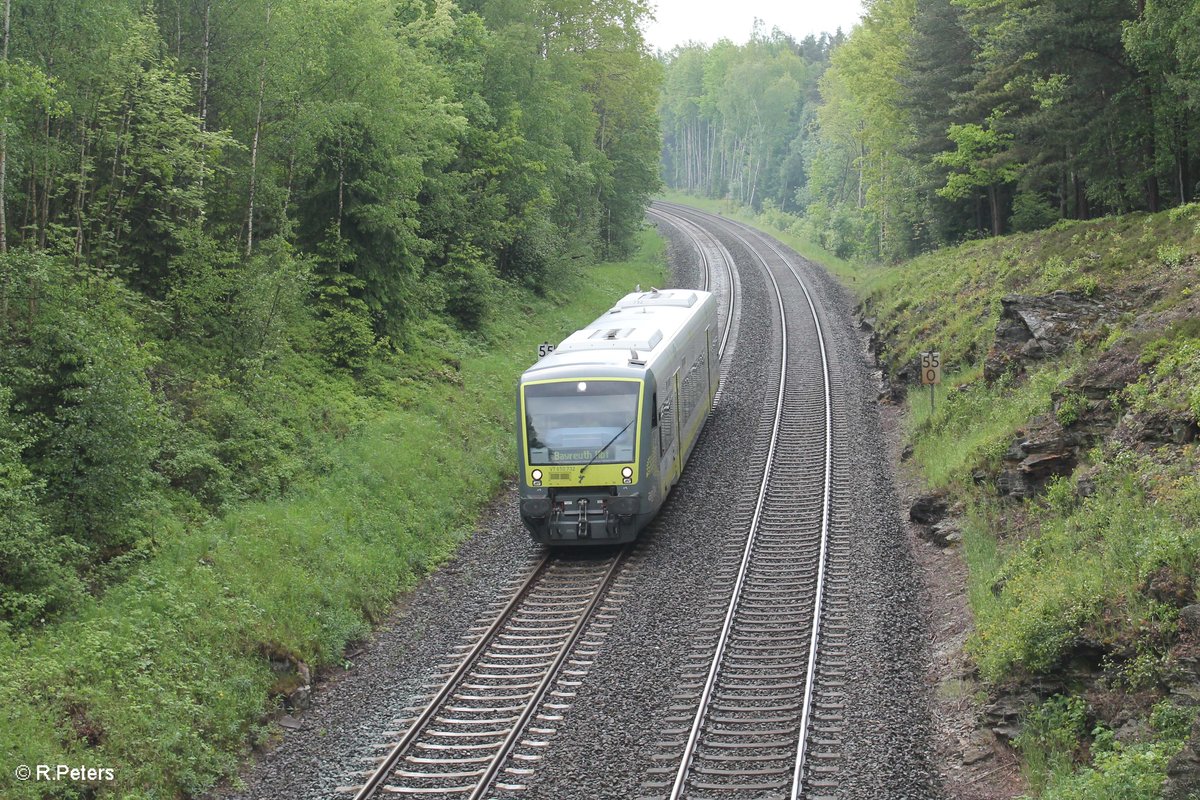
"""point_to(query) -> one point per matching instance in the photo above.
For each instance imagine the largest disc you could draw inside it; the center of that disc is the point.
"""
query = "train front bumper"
(584, 518)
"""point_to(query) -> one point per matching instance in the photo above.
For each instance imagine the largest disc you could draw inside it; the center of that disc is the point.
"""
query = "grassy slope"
(1064, 568)
(166, 678)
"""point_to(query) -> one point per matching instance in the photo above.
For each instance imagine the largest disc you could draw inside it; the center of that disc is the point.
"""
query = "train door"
(711, 378)
(668, 431)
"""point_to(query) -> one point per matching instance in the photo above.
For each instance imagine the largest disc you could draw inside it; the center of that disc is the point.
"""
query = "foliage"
(939, 121)
(77, 374)
(736, 117)
(223, 222)
(166, 676)
(1050, 738)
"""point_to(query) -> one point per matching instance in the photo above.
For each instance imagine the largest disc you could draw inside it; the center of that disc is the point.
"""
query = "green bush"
(78, 370)
(33, 579)
(1031, 212)
(1051, 738)
(469, 280)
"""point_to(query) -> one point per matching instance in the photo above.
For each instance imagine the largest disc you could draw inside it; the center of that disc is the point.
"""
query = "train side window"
(654, 410)
(666, 433)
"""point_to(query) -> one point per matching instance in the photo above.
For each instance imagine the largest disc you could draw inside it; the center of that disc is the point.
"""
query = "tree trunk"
(341, 185)
(79, 193)
(1081, 204)
(4, 153)
(204, 92)
(994, 200)
(262, 85)
(47, 189)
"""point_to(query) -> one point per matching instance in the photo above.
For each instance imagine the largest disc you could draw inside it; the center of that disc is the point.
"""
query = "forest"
(224, 226)
(940, 121)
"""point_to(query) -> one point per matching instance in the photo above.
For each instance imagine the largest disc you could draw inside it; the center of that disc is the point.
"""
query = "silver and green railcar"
(607, 420)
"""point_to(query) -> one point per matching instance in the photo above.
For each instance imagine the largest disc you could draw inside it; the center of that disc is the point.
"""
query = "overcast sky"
(709, 20)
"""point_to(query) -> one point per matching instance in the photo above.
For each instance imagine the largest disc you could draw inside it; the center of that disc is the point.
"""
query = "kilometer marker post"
(931, 373)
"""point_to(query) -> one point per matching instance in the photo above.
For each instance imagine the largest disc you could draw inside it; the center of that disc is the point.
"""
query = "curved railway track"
(480, 730)
(754, 696)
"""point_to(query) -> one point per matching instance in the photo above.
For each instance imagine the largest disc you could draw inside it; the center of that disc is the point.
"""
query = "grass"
(1051, 742)
(973, 423)
(1085, 569)
(167, 678)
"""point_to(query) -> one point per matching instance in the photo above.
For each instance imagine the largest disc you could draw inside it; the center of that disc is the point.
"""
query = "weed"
(1070, 409)
(1169, 255)
(1050, 739)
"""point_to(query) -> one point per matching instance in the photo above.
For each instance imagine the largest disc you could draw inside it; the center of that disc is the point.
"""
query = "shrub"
(78, 375)
(1031, 212)
(468, 278)
(33, 580)
(1050, 738)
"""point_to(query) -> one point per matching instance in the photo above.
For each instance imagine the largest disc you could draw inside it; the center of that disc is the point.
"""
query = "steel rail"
(551, 672)
(814, 644)
(516, 725)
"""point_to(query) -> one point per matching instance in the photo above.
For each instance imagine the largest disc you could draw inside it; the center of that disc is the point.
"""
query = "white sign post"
(931, 373)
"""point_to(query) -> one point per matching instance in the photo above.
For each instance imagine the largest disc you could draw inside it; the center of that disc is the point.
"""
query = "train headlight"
(627, 472)
(536, 474)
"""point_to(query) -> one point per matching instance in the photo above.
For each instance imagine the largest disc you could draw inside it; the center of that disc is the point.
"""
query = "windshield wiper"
(602, 449)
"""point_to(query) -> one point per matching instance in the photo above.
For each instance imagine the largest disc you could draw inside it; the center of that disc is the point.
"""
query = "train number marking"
(545, 349)
(931, 368)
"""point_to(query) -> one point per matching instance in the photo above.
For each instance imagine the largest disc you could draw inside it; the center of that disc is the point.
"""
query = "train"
(607, 419)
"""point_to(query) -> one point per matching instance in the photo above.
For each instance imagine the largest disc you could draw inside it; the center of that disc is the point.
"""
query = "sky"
(709, 20)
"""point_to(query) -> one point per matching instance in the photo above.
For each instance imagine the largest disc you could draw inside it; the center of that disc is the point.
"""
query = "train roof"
(628, 339)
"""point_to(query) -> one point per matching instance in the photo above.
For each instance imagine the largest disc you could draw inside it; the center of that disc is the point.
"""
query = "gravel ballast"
(606, 738)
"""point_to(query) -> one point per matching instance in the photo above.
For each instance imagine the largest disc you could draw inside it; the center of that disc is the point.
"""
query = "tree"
(980, 160)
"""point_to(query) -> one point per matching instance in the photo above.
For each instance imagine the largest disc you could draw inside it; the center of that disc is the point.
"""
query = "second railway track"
(754, 690)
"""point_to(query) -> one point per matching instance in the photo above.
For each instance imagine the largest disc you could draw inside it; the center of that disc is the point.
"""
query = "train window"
(575, 422)
(654, 411)
(666, 433)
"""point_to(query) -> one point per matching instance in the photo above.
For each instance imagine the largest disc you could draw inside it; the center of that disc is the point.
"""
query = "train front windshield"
(571, 422)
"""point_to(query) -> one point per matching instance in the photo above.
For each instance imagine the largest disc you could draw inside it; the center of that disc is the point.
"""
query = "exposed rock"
(1133, 731)
(943, 534)
(293, 681)
(290, 722)
(1032, 328)
(927, 509)
(1165, 428)
(300, 698)
(1167, 585)
(1040, 452)
(1004, 715)
(1189, 618)
(976, 754)
(1183, 771)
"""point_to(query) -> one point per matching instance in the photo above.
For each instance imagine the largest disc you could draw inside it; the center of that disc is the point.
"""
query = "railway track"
(487, 721)
(718, 276)
(752, 698)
